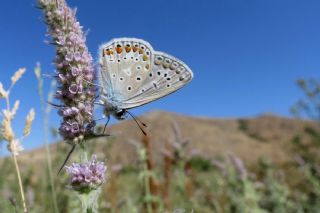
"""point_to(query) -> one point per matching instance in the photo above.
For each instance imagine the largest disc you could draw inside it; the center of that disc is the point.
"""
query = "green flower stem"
(89, 201)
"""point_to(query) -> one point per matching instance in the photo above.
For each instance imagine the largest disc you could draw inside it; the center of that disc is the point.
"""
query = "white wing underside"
(133, 74)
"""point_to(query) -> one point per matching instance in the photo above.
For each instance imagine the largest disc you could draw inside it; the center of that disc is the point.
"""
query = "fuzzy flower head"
(15, 147)
(75, 70)
(87, 176)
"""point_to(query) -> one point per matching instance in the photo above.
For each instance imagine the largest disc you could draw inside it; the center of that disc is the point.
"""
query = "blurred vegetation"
(184, 183)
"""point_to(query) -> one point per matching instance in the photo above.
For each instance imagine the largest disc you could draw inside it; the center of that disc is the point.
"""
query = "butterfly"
(132, 74)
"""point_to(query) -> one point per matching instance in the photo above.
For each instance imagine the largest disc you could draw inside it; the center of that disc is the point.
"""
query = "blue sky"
(245, 54)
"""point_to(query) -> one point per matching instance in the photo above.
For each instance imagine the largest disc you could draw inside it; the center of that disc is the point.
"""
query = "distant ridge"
(266, 135)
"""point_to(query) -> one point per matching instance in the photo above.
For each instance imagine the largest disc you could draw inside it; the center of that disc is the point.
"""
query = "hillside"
(263, 136)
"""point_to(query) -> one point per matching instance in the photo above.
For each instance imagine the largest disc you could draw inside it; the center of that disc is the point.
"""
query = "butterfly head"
(111, 109)
(120, 114)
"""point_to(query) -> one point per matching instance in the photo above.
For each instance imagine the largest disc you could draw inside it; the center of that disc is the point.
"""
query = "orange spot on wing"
(145, 57)
(135, 49)
(128, 49)
(106, 52)
(119, 50)
(141, 51)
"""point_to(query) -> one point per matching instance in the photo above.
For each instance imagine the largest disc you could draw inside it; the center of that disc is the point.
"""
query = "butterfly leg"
(105, 126)
(67, 158)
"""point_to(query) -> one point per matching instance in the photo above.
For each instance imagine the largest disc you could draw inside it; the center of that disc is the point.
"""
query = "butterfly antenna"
(143, 124)
(67, 158)
(136, 120)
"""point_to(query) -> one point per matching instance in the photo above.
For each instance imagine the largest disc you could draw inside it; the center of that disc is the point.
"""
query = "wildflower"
(86, 176)
(238, 166)
(75, 72)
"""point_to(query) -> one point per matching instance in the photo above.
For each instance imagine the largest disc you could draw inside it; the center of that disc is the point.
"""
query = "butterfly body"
(111, 108)
(133, 74)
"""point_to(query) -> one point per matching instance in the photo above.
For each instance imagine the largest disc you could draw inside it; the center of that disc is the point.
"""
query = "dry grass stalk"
(14, 145)
(17, 75)
(45, 111)
(28, 122)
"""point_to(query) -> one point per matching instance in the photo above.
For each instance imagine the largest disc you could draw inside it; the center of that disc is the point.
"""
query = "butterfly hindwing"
(167, 75)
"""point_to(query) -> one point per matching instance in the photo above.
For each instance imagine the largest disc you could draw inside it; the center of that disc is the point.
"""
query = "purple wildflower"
(238, 166)
(88, 175)
(75, 72)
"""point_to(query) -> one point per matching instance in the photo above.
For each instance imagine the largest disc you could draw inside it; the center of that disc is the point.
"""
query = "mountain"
(249, 138)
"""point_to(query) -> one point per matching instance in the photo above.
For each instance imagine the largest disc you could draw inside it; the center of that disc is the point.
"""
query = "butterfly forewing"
(125, 63)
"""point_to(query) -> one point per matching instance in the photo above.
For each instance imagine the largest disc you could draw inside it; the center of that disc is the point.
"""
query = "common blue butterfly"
(132, 74)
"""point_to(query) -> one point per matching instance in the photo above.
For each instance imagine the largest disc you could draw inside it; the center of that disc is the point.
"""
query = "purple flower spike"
(75, 72)
(87, 176)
